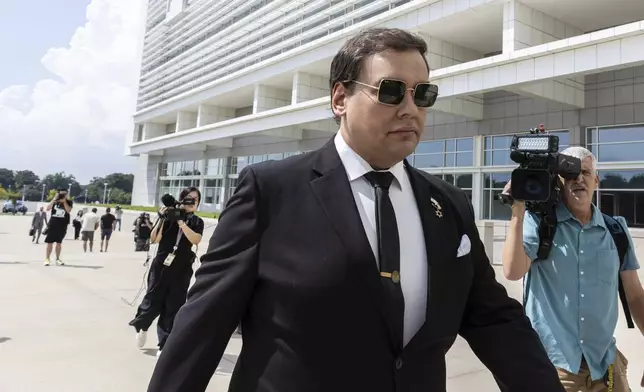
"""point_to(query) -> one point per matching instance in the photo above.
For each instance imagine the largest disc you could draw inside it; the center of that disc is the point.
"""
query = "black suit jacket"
(290, 259)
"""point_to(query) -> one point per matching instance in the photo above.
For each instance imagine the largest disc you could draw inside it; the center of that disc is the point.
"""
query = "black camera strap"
(547, 230)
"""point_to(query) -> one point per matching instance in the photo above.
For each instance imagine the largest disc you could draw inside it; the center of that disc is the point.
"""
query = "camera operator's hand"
(518, 206)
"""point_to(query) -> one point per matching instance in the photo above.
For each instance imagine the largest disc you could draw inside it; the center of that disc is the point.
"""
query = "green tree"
(6, 179)
(25, 177)
(120, 185)
(6, 194)
(122, 181)
(61, 181)
(51, 194)
(118, 196)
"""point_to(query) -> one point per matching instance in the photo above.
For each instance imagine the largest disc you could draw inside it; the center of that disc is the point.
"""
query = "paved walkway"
(64, 329)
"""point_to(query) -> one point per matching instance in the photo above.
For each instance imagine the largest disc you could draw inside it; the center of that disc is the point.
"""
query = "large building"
(225, 84)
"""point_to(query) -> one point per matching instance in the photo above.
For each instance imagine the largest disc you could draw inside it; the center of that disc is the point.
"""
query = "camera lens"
(532, 186)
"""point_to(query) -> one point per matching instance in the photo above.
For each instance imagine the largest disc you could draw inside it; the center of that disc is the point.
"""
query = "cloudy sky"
(68, 80)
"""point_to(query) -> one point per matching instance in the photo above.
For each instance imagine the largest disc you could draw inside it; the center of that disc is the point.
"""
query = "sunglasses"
(392, 92)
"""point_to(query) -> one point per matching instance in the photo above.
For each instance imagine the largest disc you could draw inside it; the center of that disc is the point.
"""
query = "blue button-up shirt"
(572, 297)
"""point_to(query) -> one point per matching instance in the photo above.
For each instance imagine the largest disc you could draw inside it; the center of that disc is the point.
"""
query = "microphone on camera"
(168, 200)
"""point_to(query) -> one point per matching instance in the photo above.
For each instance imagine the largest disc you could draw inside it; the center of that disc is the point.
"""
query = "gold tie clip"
(394, 276)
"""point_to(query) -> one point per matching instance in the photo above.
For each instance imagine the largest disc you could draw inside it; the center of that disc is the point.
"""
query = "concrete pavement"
(65, 328)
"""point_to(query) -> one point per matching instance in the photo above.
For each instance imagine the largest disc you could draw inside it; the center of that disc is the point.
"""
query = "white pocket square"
(465, 246)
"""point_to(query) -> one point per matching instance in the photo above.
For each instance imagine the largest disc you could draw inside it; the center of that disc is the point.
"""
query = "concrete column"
(524, 27)
(226, 182)
(202, 172)
(152, 130)
(577, 136)
(486, 232)
(308, 86)
(269, 97)
(477, 177)
(146, 180)
(208, 114)
(186, 120)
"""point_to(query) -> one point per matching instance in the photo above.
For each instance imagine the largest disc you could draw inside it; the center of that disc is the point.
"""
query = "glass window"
(443, 153)
(622, 179)
(429, 147)
(232, 184)
(212, 191)
(428, 160)
(493, 186)
(629, 204)
(616, 144)
(216, 167)
(497, 148)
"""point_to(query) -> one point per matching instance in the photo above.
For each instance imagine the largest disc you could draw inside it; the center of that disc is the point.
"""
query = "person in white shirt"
(89, 226)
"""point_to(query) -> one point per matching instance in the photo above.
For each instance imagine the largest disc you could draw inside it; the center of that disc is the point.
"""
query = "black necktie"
(389, 252)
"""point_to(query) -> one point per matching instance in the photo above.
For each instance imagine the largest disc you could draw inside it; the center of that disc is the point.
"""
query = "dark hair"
(94, 210)
(188, 190)
(348, 62)
(108, 210)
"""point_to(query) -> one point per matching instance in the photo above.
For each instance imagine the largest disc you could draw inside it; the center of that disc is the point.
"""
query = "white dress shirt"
(413, 255)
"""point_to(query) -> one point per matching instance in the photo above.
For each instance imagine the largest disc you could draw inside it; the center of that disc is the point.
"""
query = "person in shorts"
(89, 226)
(108, 224)
(60, 209)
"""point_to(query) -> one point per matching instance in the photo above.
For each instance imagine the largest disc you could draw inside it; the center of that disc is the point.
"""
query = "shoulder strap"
(621, 242)
(547, 230)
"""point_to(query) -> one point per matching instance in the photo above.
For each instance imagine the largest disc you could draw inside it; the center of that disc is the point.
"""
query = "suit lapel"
(334, 193)
(439, 240)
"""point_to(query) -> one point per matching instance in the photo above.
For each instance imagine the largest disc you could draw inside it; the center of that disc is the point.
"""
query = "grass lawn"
(151, 209)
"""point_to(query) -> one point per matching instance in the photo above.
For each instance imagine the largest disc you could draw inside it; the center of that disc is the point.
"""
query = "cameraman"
(142, 231)
(168, 284)
(571, 299)
(60, 209)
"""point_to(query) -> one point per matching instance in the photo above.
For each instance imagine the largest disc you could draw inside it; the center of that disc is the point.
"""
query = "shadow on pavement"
(152, 352)
(2, 340)
(227, 364)
(82, 266)
(12, 262)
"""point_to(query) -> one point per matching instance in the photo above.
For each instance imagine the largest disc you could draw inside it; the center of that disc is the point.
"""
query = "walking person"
(571, 298)
(349, 269)
(170, 270)
(118, 213)
(88, 228)
(108, 224)
(60, 209)
(78, 224)
(38, 222)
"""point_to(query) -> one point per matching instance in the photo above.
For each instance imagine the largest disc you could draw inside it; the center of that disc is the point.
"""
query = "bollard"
(486, 232)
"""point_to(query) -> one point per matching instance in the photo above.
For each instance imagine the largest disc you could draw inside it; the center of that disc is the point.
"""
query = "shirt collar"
(563, 214)
(356, 167)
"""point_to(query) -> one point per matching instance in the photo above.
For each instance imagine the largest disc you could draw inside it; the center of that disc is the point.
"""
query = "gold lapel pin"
(437, 208)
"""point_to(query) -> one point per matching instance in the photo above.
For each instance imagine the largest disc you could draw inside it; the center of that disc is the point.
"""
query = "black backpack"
(621, 243)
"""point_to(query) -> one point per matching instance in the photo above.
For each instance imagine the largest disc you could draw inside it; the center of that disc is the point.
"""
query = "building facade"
(228, 84)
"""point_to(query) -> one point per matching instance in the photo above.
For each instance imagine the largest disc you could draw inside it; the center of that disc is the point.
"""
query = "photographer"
(171, 269)
(571, 296)
(142, 232)
(60, 209)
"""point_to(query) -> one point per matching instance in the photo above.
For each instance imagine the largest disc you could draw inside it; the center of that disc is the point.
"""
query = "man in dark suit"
(349, 269)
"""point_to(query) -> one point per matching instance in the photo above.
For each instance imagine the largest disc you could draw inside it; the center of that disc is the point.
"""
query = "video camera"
(536, 180)
(174, 211)
(61, 194)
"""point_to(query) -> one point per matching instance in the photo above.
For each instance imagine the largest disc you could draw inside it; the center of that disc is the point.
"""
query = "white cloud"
(78, 123)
